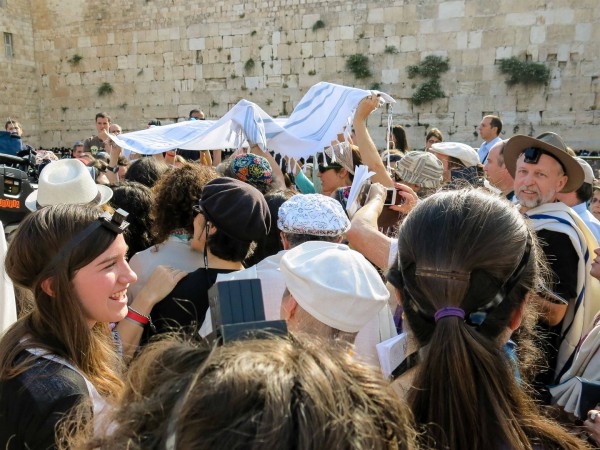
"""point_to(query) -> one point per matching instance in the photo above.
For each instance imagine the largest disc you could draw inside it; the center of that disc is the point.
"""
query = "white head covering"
(465, 153)
(313, 214)
(334, 284)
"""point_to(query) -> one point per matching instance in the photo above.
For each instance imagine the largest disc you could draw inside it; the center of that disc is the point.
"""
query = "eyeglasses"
(531, 155)
(197, 209)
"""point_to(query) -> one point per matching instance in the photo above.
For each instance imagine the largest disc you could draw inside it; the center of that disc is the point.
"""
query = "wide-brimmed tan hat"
(552, 144)
(67, 181)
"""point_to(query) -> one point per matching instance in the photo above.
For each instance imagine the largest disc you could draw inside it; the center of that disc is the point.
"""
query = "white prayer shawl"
(579, 318)
(316, 121)
(586, 366)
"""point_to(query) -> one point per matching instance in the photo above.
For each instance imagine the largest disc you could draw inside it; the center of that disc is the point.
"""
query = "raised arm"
(278, 178)
(364, 236)
(368, 150)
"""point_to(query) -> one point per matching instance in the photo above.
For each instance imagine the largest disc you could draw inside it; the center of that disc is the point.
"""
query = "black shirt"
(32, 403)
(185, 307)
(564, 263)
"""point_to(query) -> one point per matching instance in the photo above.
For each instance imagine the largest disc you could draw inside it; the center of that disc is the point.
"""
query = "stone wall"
(165, 57)
(19, 78)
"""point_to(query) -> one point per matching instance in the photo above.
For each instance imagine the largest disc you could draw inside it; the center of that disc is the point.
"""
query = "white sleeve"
(8, 305)
(393, 255)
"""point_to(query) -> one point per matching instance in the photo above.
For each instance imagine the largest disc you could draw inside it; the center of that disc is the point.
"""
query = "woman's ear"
(211, 228)
(343, 172)
(47, 286)
(517, 316)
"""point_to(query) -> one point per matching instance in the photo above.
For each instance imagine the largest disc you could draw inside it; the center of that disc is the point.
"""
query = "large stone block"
(583, 32)
(563, 16)
(537, 34)
(447, 10)
(84, 41)
(376, 16)
(520, 19)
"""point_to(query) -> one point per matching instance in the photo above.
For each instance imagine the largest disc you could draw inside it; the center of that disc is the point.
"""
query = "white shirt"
(377, 330)
(271, 282)
(8, 306)
(174, 252)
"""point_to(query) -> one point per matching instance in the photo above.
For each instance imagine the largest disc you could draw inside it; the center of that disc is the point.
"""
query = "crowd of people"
(483, 263)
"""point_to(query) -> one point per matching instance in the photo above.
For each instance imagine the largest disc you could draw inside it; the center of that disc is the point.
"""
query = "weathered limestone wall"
(19, 79)
(165, 57)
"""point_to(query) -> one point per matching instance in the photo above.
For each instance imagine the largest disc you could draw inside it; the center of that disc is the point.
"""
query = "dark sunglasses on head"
(531, 155)
(323, 169)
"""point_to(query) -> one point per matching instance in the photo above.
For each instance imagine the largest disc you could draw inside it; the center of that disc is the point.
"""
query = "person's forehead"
(102, 120)
(486, 121)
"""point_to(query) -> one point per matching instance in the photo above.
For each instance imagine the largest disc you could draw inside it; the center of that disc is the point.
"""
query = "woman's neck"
(214, 262)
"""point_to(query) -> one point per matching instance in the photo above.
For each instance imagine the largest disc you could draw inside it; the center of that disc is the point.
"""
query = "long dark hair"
(271, 243)
(461, 249)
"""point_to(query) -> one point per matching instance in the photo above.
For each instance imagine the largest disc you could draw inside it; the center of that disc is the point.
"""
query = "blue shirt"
(485, 148)
(589, 219)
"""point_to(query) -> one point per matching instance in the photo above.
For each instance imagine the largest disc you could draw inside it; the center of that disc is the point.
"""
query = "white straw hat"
(67, 181)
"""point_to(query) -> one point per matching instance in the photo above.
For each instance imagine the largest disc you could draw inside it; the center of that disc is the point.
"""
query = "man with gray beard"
(541, 168)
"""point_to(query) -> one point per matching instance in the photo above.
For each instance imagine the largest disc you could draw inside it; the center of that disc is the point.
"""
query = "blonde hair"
(276, 393)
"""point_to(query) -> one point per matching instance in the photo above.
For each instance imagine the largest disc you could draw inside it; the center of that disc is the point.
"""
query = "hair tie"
(449, 311)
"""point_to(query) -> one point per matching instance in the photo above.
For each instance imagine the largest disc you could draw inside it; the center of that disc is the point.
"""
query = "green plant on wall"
(427, 91)
(105, 89)
(431, 68)
(524, 72)
(359, 65)
(318, 25)
(249, 65)
(75, 59)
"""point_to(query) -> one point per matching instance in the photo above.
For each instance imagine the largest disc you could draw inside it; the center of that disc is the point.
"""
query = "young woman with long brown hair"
(62, 351)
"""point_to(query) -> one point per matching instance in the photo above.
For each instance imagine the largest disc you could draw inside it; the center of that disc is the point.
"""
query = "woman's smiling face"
(101, 286)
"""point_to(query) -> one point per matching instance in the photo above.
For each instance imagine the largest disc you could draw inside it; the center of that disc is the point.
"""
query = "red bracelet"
(132, 314)
(140, 318)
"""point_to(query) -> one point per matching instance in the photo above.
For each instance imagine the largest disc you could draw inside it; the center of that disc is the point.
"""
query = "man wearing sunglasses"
(542, 168)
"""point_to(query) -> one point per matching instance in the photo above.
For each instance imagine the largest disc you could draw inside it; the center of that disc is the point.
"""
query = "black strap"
(411, 361)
